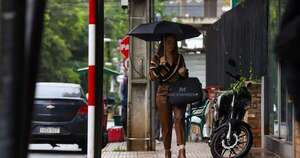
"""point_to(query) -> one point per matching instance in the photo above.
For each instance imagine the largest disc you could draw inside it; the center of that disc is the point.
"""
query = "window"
(57, 91)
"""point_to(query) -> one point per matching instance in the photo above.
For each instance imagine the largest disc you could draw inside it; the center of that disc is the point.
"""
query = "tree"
(160, 10)
(64, 44)
(65, 39)
(115, 25)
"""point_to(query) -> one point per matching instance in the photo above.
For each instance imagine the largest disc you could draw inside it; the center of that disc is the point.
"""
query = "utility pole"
(140, 136)
(99, 66)
(95, 78)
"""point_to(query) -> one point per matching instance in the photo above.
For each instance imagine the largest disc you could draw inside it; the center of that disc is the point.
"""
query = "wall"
(253, 115)
(297, 139)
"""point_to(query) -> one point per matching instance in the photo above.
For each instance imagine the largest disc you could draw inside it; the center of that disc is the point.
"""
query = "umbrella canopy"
(155, 31)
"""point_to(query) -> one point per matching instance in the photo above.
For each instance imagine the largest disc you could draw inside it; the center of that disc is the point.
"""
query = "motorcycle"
(231, 136)
(196, 128)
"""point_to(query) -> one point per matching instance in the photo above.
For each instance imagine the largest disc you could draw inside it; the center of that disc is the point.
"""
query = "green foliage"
(237, 85)
(65, 40)
(159, 6)
(115, 23)
(64, 44)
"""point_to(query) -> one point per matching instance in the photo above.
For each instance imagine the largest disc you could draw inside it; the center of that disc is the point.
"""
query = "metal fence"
(240, 34)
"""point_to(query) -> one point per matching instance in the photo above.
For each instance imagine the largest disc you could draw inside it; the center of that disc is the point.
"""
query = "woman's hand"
(182, 71)
(163, 60)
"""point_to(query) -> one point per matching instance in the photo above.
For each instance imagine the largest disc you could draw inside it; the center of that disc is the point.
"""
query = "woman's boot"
(168, 154)
(181, 153)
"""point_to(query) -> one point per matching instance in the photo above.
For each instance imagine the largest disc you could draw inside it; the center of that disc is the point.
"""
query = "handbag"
(185, 91)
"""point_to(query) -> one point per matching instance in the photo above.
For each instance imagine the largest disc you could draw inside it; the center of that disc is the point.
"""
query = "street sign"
(124, 47)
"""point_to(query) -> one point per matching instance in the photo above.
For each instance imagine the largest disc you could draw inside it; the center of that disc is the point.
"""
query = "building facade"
(249, 37)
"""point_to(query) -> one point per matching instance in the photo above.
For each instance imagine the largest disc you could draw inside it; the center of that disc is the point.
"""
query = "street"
(46, 151)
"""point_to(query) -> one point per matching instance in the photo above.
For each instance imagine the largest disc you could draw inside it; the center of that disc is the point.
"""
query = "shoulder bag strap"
(174, 71)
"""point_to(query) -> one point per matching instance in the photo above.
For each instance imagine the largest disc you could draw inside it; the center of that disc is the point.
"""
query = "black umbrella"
(155, 31)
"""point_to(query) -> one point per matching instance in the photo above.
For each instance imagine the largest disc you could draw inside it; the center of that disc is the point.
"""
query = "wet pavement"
(118, 150)
(194, 150)
(62, 151)
(259, 153)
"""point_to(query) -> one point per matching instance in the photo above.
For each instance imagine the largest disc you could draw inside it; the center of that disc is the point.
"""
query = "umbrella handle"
(164, 44)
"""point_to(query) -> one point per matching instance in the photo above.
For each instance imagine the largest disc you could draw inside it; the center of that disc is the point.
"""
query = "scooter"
(196, 128)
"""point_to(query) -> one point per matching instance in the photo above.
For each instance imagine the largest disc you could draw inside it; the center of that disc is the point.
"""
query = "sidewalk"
(194, 150)
(118, 150)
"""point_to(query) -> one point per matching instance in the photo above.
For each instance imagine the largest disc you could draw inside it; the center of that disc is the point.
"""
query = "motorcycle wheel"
(239, 145)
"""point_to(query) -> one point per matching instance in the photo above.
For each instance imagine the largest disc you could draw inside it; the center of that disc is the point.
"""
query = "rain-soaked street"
(46, 151)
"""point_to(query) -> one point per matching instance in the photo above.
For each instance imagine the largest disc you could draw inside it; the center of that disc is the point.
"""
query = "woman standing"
(168, 66)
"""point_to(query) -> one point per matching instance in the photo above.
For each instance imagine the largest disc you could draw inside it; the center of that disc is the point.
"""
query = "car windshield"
(51, 91)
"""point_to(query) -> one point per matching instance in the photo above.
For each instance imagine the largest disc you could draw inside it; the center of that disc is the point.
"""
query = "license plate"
(50, 130)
